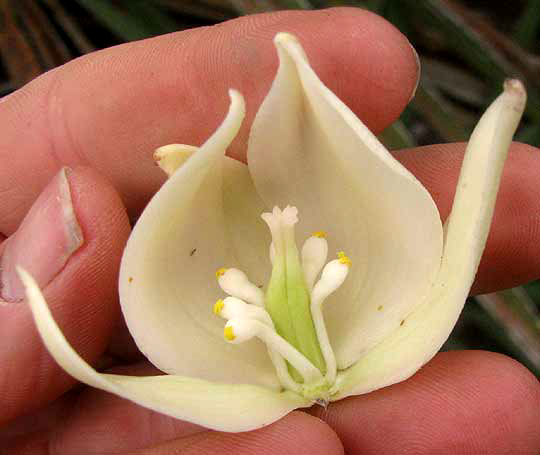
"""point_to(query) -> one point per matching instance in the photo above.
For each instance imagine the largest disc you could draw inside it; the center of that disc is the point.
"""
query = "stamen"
(218, 306)
(234, 308)
(245, 329)
(228, 333)
(314, 254)
(332, 277)
(343, 258)
(236, 283)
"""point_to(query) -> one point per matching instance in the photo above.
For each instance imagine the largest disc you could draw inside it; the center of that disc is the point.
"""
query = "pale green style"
(297, 331)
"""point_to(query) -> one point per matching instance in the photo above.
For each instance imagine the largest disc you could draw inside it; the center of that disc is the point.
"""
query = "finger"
(101, 423)
(111, 109)
(512, 254)
(71, 241)
(461, 402)
(296, 433)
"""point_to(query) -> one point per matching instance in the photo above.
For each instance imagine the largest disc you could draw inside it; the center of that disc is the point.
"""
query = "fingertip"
(369, 60)
(112, 108)
(460, 402)
(297, 433)
(512, 253)
(359, 55)
(101, 422)
(82, 293)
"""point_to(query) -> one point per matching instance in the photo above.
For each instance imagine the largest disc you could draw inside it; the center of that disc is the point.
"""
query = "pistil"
(287, 296)
(288, 318)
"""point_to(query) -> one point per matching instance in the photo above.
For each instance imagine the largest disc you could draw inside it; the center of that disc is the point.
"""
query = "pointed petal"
(170, 157)
(309, 150)
(167, 277)
(422, 334)
(220, 407)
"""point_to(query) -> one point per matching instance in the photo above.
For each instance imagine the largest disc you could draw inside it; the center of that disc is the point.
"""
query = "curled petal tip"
(515, 90)
(237, 98)
(514, 85)
(235, 94)
(283, 37)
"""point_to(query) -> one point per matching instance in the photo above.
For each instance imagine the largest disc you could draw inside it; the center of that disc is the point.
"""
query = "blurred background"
(467, 48)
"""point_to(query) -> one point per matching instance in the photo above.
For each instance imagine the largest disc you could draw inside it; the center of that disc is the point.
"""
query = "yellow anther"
(320, 234)
(228, 333)
(220, 272)
(344, 259)
(218, 306)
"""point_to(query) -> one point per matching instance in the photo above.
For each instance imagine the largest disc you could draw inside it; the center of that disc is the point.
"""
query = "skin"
(103, 115)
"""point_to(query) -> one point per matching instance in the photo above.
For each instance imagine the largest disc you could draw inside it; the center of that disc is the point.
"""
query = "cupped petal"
(421, 335)
(221, 407)
(247, 232)
(242, 209)
(309, 150)
(167, 276)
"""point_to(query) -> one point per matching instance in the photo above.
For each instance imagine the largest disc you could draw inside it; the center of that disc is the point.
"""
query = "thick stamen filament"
(282, 371)
(306, 369)
(234, 308)
(235, 283)
(243, 329)
(332, 277)
(324, 341)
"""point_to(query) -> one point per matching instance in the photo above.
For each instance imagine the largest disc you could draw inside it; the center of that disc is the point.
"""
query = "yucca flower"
(298, 332)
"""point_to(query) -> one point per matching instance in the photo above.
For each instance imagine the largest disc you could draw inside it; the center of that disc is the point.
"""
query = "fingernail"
(45, 240)
(418, 72)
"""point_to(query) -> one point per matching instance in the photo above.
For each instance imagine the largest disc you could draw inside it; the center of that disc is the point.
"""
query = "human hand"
(103, 115)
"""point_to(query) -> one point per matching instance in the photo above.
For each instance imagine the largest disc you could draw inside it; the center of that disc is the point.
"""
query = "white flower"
(399, 295)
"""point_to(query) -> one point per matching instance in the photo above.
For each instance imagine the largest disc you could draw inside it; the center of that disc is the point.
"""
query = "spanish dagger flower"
(297, 331)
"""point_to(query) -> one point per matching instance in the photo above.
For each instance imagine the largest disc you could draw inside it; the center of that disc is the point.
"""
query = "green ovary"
(288, 303)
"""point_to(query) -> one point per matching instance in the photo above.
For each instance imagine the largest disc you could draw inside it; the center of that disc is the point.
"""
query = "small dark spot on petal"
(193, 251)
(379, 308)
(130, 279)
(260, 286)
(402, 322)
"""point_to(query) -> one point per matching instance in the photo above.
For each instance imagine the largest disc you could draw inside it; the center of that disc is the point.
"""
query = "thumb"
(71, 241)
(48, 236)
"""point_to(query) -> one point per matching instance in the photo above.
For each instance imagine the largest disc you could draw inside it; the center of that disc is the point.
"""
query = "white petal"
(424, 331)
(220, 407)
(309, 150)
(241, 204)
(167, 277)
(170, 157)
(248, 233)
